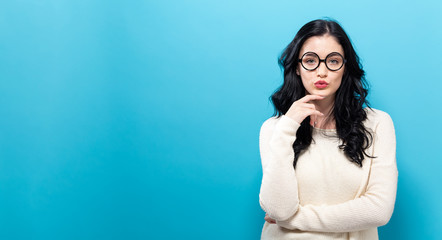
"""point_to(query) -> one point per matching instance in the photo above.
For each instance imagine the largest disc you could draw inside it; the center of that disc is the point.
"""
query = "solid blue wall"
(140, 119)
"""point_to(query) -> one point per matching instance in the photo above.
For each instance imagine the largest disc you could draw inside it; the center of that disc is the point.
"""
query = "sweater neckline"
(323, 130)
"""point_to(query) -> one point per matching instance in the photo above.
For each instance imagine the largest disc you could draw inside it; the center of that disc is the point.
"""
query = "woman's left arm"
(374, 208)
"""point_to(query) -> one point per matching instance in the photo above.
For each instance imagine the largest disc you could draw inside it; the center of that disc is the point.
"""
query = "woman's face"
(321, 81)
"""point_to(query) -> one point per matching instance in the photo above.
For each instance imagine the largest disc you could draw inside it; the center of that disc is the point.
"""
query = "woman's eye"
(333, 61)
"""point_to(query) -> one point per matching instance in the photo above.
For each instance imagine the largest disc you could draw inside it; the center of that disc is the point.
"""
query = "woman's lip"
(321, 84)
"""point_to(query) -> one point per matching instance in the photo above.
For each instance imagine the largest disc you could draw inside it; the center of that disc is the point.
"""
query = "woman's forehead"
(322, 45)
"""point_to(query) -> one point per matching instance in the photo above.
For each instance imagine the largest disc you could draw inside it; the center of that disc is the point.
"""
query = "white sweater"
(327, 196)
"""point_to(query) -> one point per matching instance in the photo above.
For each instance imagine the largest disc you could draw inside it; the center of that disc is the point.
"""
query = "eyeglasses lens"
(310, 61)
(334, 61)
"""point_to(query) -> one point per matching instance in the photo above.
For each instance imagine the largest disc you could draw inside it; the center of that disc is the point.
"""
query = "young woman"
(329, 161)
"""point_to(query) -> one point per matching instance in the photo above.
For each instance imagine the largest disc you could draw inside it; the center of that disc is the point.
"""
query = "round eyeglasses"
(310, 61)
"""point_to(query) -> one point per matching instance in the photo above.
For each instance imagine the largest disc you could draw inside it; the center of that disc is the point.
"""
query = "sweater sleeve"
(372, 209)
(278, 195)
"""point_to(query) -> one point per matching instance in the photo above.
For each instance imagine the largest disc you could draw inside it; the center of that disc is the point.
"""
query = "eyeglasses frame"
(322, 60)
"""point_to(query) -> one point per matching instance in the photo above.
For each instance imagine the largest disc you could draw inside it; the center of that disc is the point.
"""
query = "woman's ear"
(297, 71)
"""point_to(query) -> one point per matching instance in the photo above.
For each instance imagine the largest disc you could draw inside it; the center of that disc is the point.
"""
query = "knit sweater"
(326, 196)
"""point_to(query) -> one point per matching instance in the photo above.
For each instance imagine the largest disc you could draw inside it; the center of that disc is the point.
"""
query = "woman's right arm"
(278, 196)
(279, 188)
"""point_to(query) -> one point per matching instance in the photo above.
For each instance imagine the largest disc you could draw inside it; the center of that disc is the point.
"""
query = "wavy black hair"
(350, 98)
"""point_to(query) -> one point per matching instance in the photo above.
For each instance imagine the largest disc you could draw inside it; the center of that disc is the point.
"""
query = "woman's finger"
(307, 105)
(308, 98)
(311, 112)
(318, 113)
(269, 219)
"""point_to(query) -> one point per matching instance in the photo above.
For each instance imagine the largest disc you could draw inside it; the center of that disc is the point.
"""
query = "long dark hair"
(350, 98)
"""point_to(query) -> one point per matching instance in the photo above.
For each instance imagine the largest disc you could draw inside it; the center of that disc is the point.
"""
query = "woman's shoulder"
(281, 122)
(269, 124)
(271, 120)
(376, 117)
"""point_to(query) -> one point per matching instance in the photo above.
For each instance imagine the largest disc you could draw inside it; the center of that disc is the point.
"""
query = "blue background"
(140, 119)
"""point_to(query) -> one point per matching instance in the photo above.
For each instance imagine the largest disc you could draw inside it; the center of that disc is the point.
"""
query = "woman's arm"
(279, 188)
(374, 208)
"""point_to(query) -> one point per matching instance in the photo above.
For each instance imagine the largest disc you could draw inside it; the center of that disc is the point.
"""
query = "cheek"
(304, 80)
(339, 80)
(307, 76)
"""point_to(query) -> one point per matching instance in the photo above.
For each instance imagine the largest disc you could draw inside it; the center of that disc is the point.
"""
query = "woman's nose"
(322, 70)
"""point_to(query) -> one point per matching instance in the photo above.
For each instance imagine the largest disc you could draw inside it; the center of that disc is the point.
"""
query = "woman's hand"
(303, 108)
(269, 219)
